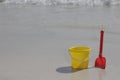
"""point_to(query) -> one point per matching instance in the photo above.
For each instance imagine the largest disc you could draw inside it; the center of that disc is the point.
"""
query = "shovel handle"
(101, 42)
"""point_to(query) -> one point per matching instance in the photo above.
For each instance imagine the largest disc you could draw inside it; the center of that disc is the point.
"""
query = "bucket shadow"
(68, 69)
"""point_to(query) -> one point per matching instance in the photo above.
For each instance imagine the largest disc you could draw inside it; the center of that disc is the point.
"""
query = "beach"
(34, 41)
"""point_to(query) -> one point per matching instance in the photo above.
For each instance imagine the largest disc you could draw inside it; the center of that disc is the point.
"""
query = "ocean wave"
(65, 2)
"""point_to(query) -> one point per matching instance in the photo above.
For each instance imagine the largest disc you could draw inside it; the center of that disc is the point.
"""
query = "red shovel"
(101, 61)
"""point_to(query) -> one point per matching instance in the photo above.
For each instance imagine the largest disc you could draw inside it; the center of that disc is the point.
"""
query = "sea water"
(60, 13)
(75, 2)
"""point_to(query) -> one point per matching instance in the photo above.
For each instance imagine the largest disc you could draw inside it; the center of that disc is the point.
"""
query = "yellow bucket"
(80, 57)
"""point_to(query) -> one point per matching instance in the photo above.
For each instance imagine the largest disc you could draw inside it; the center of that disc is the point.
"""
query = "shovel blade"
(100, 62)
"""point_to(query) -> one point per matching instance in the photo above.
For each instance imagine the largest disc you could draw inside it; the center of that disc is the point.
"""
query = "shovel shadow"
(68, 69)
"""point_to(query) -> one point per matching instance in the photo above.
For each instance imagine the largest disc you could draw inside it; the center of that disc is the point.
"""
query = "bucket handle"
(79, 60)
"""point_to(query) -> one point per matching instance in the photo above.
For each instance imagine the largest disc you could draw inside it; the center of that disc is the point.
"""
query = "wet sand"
(34, 51)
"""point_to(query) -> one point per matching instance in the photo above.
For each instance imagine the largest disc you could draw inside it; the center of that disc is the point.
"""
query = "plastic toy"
(101, 61)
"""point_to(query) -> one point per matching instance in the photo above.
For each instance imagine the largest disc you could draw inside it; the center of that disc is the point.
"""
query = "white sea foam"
(66, 2)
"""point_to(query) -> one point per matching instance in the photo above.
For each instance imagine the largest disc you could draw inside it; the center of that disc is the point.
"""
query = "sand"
(34, 42)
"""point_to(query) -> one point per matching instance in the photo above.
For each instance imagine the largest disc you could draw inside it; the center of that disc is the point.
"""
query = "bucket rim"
(73, 48)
